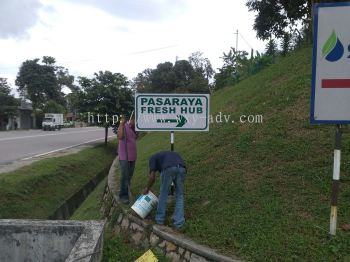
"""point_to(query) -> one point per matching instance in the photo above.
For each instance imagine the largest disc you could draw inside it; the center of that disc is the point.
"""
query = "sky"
(124, 36)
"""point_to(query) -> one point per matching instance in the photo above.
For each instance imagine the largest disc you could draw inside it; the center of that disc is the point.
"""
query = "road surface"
(28, 144)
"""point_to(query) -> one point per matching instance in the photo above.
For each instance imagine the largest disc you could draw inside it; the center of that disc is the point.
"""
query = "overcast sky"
(125, 36)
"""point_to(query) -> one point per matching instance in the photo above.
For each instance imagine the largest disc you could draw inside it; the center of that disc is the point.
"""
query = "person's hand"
(122, 121)
(145, 191)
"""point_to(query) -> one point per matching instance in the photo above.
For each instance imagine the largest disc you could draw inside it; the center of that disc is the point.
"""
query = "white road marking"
(64, 148)
(58, 134)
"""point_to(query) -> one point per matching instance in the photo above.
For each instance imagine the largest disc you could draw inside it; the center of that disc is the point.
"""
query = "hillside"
(261, 191)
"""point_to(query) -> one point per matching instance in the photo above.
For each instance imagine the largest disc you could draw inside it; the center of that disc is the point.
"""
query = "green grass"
(90, 208)
(37, 190)
(118, 248)
(261, 191)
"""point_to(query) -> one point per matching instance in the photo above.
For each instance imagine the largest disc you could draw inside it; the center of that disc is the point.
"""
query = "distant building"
(24, 119)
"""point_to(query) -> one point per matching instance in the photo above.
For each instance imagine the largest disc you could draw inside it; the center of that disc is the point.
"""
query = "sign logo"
(333, 49)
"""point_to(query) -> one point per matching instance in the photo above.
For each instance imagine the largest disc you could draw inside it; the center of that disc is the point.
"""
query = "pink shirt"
(131, 153)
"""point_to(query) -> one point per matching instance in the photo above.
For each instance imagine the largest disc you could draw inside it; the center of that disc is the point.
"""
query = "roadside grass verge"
(37, 190)
(116, 247)
(90, 208)
(261, 191)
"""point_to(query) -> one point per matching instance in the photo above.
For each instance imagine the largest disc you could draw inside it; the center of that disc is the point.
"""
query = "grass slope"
(37, 190)
(261, 191)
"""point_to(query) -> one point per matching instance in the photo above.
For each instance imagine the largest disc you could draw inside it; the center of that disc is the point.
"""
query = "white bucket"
(144, 204)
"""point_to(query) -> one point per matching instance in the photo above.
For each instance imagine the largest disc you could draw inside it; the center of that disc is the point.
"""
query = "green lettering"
(198, 102)
(159, 101)
(191, 100)
(175, 101)
(183, 102)
(151, 102)
(167, 102)
(143, 100)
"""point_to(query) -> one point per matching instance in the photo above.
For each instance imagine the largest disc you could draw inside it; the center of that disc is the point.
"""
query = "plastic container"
(144, 204)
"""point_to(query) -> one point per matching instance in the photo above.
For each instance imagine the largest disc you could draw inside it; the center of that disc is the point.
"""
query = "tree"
(229, 74)
(41, 82)
(142, 82)
(201, 65)
(29, 82)
(237, 66)
(286, 44)
(271, 48)
(53, 107)
(184, 73)
(105, 93)
(163, 78)
(8, 104)
(274, 17)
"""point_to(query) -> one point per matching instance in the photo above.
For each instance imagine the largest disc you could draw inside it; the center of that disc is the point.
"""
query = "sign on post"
(172, 112)
(330, 98)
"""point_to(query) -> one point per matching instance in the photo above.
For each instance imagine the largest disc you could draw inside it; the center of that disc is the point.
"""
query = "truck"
(52, 121)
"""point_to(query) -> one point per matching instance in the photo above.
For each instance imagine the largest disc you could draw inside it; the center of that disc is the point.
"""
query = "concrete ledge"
(145, 223)
(90, 243)
(112, 183)
(143, 232)
(180, 240)
(45, 240)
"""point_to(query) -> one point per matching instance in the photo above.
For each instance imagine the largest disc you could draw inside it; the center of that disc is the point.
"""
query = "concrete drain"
(47, 240)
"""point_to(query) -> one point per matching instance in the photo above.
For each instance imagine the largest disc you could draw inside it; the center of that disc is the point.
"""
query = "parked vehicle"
(52, 121)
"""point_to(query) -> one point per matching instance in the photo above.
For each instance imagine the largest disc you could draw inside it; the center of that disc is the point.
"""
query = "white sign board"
(172, 112)
(330, 98)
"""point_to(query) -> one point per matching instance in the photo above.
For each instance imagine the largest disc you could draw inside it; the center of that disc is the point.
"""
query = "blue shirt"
(162, 160)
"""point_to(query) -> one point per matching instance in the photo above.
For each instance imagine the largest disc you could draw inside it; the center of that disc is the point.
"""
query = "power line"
(245, 40)
(95, 59)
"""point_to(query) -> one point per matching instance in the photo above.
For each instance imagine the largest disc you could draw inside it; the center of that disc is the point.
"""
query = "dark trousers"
(127, 171)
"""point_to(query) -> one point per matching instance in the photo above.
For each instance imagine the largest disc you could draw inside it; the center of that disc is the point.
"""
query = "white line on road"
(68, 147)
(65, 133)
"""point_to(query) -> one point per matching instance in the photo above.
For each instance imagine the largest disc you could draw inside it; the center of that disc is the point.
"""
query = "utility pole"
(236, 40)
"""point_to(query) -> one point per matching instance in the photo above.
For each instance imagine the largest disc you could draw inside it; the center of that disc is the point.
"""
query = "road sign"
(172, 112)
(330, 97)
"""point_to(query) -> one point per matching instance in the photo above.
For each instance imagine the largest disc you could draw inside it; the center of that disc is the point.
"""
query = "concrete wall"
(40, 240)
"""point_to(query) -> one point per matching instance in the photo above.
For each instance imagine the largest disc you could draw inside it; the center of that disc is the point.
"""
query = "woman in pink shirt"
(127, 155)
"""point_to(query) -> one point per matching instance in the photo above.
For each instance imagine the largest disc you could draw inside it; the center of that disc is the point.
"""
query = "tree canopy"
(185, 76)
(42, 82)
(276, 17)
(105, 93)
(8, 104)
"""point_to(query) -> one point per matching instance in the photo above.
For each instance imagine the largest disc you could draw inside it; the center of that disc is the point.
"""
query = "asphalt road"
(27, 144)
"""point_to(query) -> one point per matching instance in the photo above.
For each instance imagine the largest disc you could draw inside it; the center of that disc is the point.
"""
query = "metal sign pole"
(172, 188)
(172, 140)
(335, 186)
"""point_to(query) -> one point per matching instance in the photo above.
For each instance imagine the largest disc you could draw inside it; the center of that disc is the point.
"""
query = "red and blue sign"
(330, 97)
